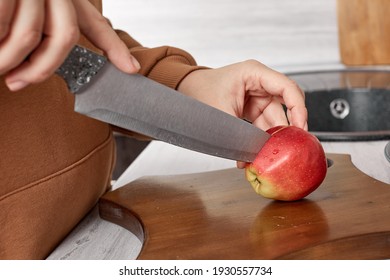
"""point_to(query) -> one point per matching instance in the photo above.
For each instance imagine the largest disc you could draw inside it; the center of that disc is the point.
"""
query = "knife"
(139, 104)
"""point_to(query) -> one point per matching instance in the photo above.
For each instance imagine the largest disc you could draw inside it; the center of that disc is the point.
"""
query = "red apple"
(291, 165)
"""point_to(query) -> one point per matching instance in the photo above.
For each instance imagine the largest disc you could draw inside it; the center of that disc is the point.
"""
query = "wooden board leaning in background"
(364, 31)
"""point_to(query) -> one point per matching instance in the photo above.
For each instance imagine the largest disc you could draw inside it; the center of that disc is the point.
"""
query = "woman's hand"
(36, 36)
(251, 91)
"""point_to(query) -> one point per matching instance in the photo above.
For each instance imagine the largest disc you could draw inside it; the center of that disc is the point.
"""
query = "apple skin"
(291, 165)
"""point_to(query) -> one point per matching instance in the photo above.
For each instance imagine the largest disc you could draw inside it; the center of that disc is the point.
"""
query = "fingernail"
(135, 62)
(17, 85)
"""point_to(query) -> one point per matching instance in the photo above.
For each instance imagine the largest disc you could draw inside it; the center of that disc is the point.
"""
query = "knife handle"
(79, 67)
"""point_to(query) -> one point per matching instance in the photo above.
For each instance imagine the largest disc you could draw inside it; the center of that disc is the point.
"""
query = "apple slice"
(291, 165)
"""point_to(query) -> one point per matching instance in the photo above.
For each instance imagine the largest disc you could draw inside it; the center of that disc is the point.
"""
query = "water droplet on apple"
(275, 151)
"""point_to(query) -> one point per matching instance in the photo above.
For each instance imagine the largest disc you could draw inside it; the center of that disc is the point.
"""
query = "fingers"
(265, 112)
(267, 82)
(24, 34)
(96, 28)
(36, 36)
(273, 115)
(61, 34)
(278, 85)
(289, 115)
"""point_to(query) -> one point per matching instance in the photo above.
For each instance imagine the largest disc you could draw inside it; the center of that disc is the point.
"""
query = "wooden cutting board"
(217, 215)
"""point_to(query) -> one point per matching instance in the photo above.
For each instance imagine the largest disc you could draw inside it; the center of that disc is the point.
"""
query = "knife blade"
(139, 104)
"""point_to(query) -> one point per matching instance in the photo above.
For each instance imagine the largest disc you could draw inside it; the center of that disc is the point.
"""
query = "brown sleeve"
(166, 65)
